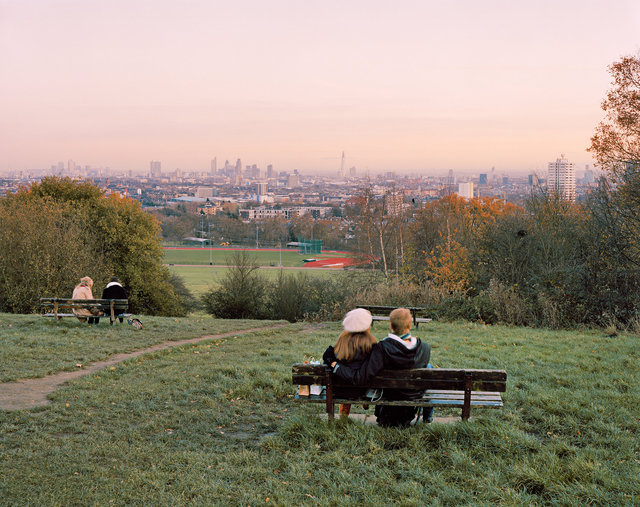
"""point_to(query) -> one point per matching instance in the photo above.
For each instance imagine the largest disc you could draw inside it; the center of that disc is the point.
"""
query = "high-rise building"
(562, 178)
(293, 180)
(466, 190)
(270, 172)
(214, 166)
(261, 188)
(483, 179)
(393, 203)
(155, 168)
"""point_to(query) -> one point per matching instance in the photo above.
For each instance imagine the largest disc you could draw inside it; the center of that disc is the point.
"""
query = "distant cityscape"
(259, 192)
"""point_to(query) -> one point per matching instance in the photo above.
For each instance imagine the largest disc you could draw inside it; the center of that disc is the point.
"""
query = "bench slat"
(416, 373)
(418, 384)
(422, 402)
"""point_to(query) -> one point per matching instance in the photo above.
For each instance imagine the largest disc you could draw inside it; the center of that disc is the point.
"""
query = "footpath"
(30, 393)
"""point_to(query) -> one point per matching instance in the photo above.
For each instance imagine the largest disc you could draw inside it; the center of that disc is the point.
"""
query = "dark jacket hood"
(399, 357)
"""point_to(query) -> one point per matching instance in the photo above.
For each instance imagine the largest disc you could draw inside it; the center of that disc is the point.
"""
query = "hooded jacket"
(392, 353)
(83, 291)
(114, 290)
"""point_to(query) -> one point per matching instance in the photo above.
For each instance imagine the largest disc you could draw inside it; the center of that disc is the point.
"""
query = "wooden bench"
(379, 312)
(60, 307)
(445, 387)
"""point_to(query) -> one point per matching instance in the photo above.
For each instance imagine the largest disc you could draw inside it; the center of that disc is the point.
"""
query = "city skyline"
(413, 87)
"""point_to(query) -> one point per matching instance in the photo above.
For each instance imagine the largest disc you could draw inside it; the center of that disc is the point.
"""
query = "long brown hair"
(351, 345)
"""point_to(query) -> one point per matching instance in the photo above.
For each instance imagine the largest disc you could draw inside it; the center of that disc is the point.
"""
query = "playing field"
(199, 279)
(223, 256)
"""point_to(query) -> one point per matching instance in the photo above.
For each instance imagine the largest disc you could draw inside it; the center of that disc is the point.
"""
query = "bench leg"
(329, 397)
(466, 408)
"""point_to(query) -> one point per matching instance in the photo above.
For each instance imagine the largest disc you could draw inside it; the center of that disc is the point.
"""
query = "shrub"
(242, 291)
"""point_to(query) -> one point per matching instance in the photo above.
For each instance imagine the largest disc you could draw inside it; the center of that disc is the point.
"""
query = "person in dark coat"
(398, 351)
(115, 290)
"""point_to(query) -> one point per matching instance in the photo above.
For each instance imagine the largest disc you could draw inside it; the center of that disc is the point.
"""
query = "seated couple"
(357, 357)
(113, 290)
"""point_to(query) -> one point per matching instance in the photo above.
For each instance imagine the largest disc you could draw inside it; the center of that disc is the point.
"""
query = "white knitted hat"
(357, 321)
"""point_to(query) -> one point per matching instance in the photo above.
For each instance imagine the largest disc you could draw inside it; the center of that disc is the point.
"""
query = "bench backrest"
(444, 379)
(70, 301)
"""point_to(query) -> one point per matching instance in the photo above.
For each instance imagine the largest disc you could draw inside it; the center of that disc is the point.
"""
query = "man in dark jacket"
(398, 351)
(114, 290)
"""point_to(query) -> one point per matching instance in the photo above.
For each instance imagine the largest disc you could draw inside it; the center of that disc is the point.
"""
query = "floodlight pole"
(210, 246)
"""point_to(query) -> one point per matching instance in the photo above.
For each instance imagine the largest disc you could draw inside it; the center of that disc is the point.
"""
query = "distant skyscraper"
(589, 176)
(483, 179)
(71, 166)
(261, 188)
(270, 171)
(293, 180)
(155, 168)
(393, 202)
(214, 166)
(466, 190)
(352, 172)
(562, 178)
(342, 173)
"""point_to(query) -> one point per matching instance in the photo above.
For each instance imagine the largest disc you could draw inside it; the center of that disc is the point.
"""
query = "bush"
(242, 291)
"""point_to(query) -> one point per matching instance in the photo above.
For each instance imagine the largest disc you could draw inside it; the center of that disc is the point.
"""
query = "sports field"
(192, 264)
(263, 257)
(199, 279)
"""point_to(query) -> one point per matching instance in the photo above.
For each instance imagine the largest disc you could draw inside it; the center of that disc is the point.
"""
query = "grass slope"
(215, 424)
(33, 346)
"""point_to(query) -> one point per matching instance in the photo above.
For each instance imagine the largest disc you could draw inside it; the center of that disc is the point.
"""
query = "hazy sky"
(405, 85)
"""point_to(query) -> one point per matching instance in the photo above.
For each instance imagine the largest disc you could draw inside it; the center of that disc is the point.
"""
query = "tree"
(616, 141)
(59, 221)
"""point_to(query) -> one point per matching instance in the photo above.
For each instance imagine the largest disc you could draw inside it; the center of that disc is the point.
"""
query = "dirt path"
(31, 393)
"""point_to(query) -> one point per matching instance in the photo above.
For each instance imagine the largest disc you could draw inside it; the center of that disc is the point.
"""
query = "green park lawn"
(216, 424)
(199, 279)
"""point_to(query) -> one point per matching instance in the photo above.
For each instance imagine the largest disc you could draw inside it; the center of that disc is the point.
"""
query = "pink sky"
(422, 86)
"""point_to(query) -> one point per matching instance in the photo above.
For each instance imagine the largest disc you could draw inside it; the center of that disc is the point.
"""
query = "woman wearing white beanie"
(353, 347)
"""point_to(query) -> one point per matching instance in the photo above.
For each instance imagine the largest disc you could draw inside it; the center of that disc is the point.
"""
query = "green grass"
(290, 258)
(200, 279)
(215, 424)
(34, 346)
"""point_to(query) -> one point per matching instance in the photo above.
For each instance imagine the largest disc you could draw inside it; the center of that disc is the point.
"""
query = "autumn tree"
(616, 147)
(451, 228)
(616, 141)
(58, 230)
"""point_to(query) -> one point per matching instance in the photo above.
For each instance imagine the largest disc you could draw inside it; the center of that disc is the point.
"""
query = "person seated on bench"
(397, 351)
(352, 348)
(83, 291)
(114, 290)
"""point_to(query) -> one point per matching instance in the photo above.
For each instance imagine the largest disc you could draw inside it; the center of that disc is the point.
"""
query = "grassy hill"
(215, 423)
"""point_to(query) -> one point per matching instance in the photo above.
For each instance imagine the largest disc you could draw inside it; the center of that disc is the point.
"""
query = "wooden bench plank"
(476, 401)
